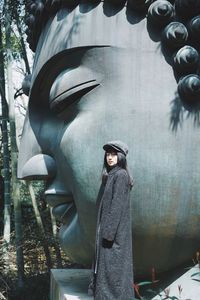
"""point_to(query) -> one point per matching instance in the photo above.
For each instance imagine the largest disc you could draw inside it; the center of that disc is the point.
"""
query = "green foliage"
(15, 44)
(16, 10)
(38, 186)
(144, 283)
(11, 22)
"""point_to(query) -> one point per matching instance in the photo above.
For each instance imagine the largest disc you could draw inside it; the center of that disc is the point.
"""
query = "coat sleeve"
(120, 195)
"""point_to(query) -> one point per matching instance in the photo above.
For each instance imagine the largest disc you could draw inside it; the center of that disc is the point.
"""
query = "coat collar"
(113, 170)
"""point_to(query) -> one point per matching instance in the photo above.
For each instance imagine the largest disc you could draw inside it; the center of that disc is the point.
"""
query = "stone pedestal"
(186, 287)
(71, 284)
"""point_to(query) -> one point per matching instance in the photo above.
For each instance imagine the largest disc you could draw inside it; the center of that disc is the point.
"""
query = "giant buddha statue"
(117, 70)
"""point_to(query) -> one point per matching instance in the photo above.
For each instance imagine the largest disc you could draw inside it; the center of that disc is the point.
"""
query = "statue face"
(70, 122)
(110, 81)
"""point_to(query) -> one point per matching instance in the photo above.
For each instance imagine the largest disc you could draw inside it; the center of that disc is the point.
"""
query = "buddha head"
(104, 71)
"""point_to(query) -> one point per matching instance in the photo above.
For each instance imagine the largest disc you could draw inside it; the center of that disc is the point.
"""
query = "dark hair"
(121, 162)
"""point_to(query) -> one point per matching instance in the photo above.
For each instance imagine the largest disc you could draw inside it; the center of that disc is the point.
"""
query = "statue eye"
(70, 86)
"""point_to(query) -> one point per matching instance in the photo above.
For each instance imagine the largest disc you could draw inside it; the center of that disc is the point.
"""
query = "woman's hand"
(107, 243)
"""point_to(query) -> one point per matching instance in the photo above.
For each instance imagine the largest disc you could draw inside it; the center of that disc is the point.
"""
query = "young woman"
(113, 269)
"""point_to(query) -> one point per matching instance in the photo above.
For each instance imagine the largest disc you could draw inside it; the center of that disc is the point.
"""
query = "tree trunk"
(14, 151)
(56, 246)
(6, 159)
(24, 53)
(40, 226)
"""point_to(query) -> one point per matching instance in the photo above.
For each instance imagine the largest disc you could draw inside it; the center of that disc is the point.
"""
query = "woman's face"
(111, 158)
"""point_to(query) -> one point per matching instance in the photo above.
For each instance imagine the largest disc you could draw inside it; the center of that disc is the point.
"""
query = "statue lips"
(64, 208)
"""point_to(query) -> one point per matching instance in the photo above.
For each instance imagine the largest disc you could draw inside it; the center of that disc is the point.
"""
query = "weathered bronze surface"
(104, 71)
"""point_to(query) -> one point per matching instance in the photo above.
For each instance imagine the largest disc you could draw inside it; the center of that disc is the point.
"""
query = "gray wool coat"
(113, 263)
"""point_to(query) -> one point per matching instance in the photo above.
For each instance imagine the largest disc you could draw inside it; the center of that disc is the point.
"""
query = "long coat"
(113, 266)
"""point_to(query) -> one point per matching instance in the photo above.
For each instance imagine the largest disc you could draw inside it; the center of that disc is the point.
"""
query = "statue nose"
(40, 166)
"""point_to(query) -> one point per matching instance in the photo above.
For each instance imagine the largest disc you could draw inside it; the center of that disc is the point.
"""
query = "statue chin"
(71, 234)
(108, 76)
(73, 242)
